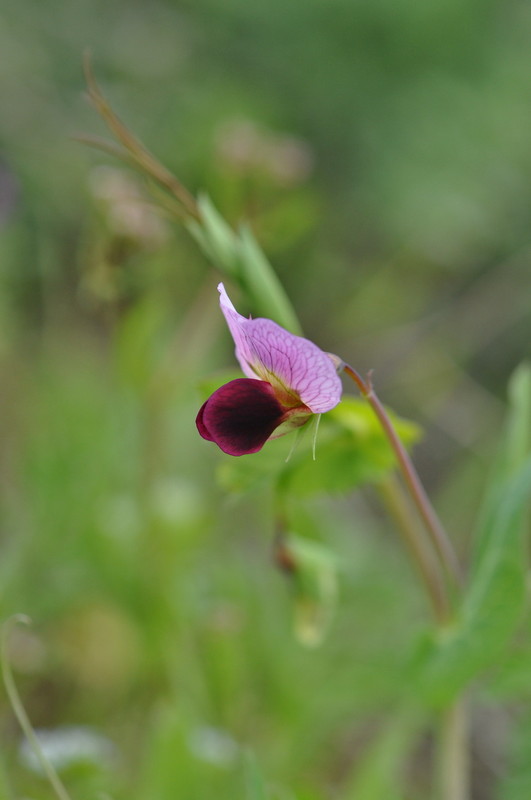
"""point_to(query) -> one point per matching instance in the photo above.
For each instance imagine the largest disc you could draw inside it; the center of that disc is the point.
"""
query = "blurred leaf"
(351, 450)
(494, 602)
(341, 464)
(519, 423)
(244, 474)
(262, 285)
(515, 447)
(356, 415)
(216, 238)
(238, 255)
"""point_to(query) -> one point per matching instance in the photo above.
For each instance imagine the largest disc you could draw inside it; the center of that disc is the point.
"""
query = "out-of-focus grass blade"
(519, 428)
(262, 285)
(515, 447)
(494, 603)
(237, 254)
(493, 606)
(216, 238)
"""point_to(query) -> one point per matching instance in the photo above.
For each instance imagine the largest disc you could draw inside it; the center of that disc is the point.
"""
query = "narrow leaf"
(216, 238)
(494, 603)
(493, 606)
(516, 445)
(262, 285)
(237, 254)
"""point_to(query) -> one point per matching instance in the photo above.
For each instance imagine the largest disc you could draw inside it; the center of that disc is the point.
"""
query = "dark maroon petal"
(240, 416)
(201, 427)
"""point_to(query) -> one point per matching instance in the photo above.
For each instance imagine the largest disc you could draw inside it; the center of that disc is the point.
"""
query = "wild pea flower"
(288, 380)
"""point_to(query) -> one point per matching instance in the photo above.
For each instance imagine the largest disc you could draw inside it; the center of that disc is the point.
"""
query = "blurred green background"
(381, 152)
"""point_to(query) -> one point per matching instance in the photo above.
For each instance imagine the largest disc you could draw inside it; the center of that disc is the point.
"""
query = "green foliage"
(238, 255)
(494, 602)
(512, 453)
(351, 450)
(493, 605)
(159, 620)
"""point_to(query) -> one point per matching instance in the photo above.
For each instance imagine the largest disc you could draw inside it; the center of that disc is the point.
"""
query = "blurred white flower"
(67, 746)
(127, 210)
(246, 147)
(214, 746)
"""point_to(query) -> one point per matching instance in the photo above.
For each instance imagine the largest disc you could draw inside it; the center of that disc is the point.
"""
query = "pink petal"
(240, 416)
(269, 352)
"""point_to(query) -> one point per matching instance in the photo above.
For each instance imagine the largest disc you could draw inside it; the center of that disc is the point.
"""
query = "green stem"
(419, 548)
(20, 713)
(135, 152)
(453, 767)
(440, 539)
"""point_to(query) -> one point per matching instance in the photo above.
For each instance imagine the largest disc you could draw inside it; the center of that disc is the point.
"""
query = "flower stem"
(20, 712)
(420, 549)
(453, 767)
(439, 537)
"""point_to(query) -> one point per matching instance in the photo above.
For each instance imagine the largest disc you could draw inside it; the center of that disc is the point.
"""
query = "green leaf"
(244, 474)
(515, 447)
(493, 606)
(216, 238)
(357, 416)
(342, 463)
(494, 603)
(237, 254)
(518, 437)
(351, 450)
(262, 286)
